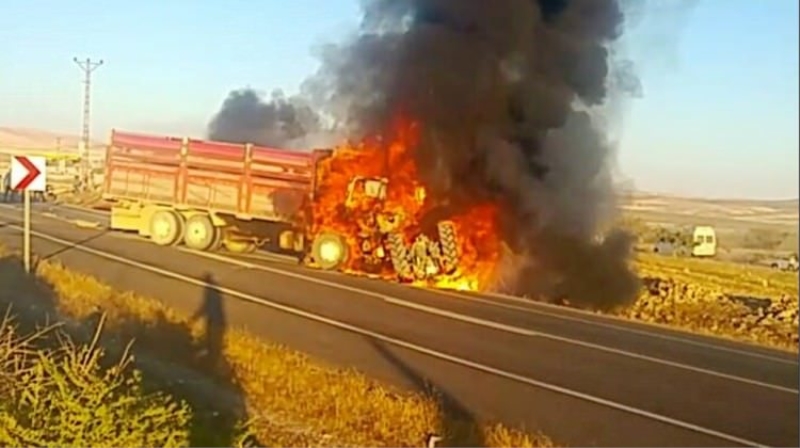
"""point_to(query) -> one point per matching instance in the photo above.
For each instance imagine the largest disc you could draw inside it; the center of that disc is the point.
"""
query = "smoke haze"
(508, 93)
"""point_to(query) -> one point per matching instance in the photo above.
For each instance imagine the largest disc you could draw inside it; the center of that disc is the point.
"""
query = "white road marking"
(488, 323)
(563, 314)
(81, 224)
(274, 258)
(79, 209)
(402, 343)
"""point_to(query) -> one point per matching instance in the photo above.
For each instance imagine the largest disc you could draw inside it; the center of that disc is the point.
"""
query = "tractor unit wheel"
(449, 246)
(200, 233)
(329, 250)
(166, 227)
(399, 256)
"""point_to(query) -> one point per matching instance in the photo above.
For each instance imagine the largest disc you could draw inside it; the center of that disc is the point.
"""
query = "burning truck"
(358, 208)
(514, 98)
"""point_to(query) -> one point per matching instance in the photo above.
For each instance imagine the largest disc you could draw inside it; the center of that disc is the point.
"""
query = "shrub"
(54, 393)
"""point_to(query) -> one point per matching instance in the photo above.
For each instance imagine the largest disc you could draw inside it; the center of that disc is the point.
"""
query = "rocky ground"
(768, 321)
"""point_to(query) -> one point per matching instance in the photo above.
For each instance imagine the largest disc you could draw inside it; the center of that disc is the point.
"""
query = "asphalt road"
(584, 379)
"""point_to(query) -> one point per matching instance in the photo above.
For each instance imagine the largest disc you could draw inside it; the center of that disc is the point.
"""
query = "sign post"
(28, 174)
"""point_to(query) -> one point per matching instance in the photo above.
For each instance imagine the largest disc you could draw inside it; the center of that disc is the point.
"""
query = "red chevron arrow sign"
(28, 173)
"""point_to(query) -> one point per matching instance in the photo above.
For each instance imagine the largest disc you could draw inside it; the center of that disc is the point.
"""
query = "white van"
(704, 240)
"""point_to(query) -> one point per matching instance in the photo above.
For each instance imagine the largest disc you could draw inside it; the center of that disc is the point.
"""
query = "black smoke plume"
(509, 94)
(506, 92)
(246, 117)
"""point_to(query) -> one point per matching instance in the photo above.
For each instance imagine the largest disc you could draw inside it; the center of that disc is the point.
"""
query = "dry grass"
(56, 393)
(290, 399)
(733, 278)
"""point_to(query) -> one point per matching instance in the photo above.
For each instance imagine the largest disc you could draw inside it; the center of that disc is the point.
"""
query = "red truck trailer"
(209, 194)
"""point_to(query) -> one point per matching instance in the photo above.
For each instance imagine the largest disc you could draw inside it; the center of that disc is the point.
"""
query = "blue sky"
(719, 116)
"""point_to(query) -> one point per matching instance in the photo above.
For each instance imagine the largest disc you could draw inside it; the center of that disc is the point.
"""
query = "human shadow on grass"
(166, 353)
(212, 313)
(207, 377)
(459, 424)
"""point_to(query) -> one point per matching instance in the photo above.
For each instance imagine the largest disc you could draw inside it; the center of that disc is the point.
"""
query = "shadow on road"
(459, 424)
(36, 259)
(170, 358)
(67, 248)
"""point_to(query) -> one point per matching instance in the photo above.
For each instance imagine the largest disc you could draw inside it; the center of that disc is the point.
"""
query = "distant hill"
(28, 138)
(728, 212)
(14, 140)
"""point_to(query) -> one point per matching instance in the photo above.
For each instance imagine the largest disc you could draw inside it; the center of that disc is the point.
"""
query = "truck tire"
(329, 250)
(449, 246)
(166, 227)
(399, 256)
(420, 273)
(200, 233)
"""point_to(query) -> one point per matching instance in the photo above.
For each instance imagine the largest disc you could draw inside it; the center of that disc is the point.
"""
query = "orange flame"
(406, 197)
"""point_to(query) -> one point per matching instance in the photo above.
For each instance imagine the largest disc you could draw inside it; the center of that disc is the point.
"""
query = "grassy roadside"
(286, 398)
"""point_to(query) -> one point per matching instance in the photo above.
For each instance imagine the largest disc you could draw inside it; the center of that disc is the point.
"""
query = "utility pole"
(87, 66)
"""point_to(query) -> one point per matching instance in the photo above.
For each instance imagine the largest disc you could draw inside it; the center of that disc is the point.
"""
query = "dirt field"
(748, 231)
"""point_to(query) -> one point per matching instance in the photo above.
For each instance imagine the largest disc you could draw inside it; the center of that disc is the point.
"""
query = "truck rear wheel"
(200, 233)
(166, 227)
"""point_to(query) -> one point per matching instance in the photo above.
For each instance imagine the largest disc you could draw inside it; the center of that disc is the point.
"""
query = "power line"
(87, 66)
